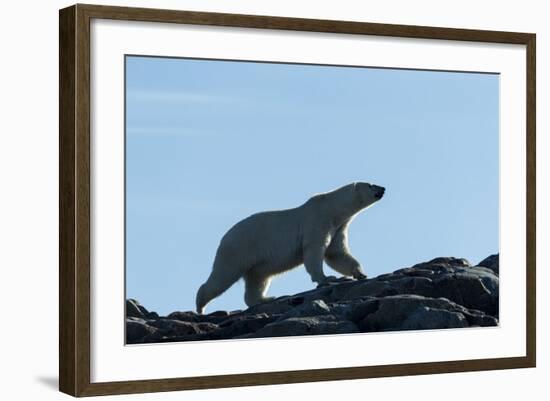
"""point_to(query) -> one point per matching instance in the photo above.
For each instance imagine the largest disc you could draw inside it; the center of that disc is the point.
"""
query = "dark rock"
(411, 271)
(489, 279)
(479, 319)
(445, 262)
(491, 262)
(135, 309)
(312, 308)
(413, 285)
(342, 309)
(337, 281)
(174, 330)
(308, 325)
(338, 292)
(425, 317)
(136, 329)
(295, 301)
(244, 318)
(437, 265)
(468, 290)
(185, 316)
(439, 294)
(362, 309)
(219, 313)
(316, 293)
(241, 325)
(373, 288)
(275, 307)
(189, 316)
(452, 278)
(393, 311)
(180, 328)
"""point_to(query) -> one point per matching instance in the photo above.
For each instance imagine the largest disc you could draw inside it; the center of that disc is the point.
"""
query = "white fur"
(269, 243)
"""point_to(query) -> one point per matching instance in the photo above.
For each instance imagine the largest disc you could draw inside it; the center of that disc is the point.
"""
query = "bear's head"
(366, 194)
(349, 199)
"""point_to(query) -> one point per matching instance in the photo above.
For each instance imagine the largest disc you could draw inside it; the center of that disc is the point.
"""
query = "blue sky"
(209, 143)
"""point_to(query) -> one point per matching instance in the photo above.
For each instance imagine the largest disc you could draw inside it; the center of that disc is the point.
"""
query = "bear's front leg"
(359, 275)
(313, 261)
(339, 258)
(345, 264)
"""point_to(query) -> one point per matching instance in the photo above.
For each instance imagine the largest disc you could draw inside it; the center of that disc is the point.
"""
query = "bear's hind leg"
(255, 288)
(218, 282)
(313, 262)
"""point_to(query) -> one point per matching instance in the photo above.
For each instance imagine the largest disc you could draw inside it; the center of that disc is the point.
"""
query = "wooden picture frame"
(74, 203)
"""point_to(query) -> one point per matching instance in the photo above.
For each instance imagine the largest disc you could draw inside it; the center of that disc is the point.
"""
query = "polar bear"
(270, 243)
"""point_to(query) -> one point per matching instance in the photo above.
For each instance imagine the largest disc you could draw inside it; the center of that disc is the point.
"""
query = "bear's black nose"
(380, 192)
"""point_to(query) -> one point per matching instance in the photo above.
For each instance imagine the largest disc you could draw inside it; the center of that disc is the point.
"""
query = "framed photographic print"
(250, 200)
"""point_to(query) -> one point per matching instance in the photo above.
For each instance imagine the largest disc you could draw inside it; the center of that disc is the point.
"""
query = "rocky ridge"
(440, 294)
